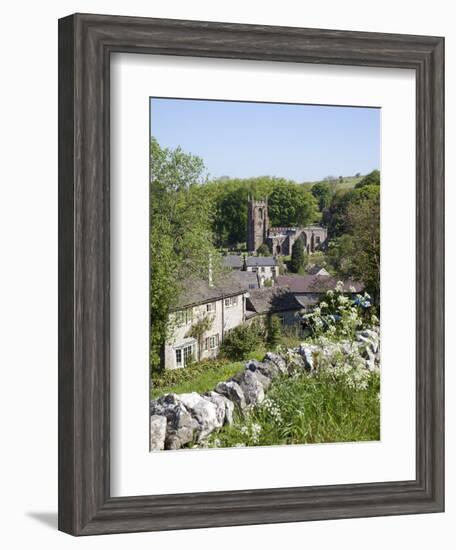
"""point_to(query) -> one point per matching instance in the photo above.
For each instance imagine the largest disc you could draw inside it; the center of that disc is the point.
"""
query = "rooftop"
(198, 291)
(316, 283)
(236, 261)
(269, 300)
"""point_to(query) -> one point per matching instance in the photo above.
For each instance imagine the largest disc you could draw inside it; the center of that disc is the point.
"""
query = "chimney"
(210, 281)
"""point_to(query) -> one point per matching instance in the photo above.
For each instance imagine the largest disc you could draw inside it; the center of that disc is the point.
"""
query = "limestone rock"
(268, 370)
(203, 411)
(233, 392)
(223, 406)
(157, 432)
(252, 386)
(277, 360)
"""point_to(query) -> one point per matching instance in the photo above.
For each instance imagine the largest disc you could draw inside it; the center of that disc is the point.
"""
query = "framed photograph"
(251, 274)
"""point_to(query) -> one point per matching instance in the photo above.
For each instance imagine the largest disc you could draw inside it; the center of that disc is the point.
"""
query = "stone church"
(279, 239)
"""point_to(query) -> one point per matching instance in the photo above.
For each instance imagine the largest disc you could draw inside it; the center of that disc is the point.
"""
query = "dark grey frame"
(85, 45)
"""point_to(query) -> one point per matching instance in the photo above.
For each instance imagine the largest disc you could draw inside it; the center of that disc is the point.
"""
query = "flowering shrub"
(339, 315)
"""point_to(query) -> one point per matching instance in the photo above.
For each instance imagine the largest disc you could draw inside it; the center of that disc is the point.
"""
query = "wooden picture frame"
(85, 45)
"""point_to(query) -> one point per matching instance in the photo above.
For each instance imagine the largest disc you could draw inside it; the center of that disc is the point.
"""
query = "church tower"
(257, 223)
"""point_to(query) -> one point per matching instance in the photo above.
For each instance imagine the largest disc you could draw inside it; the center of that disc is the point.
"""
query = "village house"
(278, 301)
(266, 268)
(309, 289)
(223, 304)
(293, 296)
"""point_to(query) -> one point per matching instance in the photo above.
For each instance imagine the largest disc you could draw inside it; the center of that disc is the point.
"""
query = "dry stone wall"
(180, 419)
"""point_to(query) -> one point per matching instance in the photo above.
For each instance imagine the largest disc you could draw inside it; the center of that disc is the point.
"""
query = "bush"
(240, 341)
(274, 330)
(298, 257)
(263, 250)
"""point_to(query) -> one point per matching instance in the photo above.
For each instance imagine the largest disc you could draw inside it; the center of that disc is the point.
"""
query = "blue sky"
(243, 139)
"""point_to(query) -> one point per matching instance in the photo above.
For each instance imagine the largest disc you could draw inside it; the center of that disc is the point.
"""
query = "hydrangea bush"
(340, 316)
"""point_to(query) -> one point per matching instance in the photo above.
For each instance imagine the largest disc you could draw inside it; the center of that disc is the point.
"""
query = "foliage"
(180, 234)
(273, 331)
(373, 178)
(241, 341)
(336, 217)
(339, 315)
(199, 329)
(322, 192)
(291, 205)
(338, 403)
(364, 222)
(339, 254)
(263, 250)
(298, 257)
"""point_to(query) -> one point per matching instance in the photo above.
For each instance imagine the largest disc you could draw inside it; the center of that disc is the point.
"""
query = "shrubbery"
(241, 340)
(339, 315)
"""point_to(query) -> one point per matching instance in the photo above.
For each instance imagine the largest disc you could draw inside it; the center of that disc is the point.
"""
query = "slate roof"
(255, 261)
(302, 284)
(315, 269)
(247, 279)
(235, 261)
(270, 300)
(198, 291)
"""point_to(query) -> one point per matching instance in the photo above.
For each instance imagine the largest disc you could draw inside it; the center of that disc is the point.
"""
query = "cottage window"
(178, 358)
(210, 308)
(213, 341)
(188, 354)
(234, 300)
(184, 316)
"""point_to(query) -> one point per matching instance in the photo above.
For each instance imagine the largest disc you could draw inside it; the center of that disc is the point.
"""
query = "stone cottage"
(223, 304)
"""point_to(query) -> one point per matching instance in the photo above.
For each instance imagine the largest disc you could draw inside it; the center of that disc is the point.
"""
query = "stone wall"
(180, 419)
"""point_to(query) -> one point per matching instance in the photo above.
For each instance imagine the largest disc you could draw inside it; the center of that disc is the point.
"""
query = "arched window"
(260, 213)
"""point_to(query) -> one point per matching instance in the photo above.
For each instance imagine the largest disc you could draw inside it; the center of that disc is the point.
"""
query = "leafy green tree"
(364, 222)
(239, 342)
(373, 178)
(274, 330)
(340, 253)
(263, 250)
(323, 193)
(290, 205)
(337, 218)
(298, 257)
(180, 235)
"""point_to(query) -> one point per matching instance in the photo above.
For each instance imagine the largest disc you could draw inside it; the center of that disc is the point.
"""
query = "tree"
(340, 253)
(290, 205)
(298, 257)
(180, 235)
(263, 250)
(373, 178)
(274, 330)
(337, 216)
(323, 193)
(364, 222)
(239, 342)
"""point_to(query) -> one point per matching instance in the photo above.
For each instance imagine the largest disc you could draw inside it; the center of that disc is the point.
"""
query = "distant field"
(347, 183)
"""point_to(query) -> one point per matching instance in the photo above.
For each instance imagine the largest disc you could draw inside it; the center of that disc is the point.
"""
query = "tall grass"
(321, 408)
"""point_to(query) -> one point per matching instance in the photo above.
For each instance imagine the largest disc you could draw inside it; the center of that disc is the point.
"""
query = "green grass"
(308, 409)
(347, 183)
(199, 377)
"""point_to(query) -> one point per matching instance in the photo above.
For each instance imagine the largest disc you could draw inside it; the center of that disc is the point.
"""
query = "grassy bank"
(199, 377)
(310, 409)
